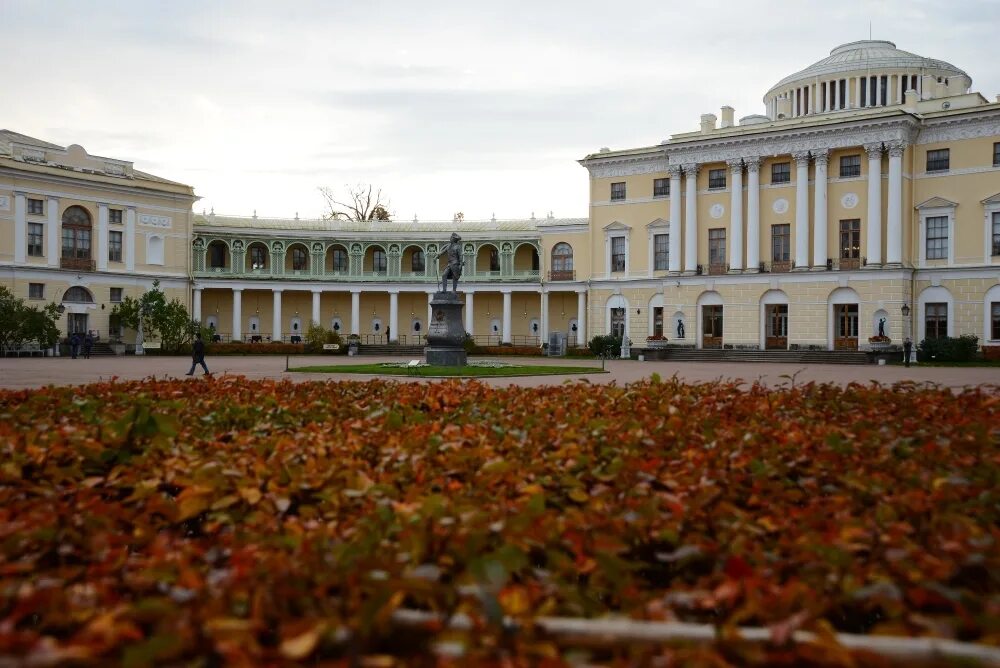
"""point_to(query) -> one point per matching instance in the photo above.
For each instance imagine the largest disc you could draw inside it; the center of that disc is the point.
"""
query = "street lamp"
(909, 354)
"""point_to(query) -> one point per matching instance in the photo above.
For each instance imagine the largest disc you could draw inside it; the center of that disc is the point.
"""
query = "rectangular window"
(417, 262)
(35, 238)
(939, 161)
(850, 166)
(115, 216)
(618, 254)
(781, 172)
(494, 259)
(850, 244)
(935, 321)
(996, 233)
(937, 237)
(995, 321)
(661, 252)
(76, 243)
(339, 259)
(657, 321)
(115, 246)
(781, 243)
(116, 295)
(36, 291)
(36, 207)
(996, 154)
(716, 179)
(717, 247)
(379, 262)
(617, 191)
(661, 187)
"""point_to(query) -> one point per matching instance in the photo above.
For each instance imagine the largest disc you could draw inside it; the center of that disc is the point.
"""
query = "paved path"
(27, 372)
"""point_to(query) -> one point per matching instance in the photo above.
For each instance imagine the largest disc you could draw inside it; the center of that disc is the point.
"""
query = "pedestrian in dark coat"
(88, 343)
(74, 345)
(198, 355)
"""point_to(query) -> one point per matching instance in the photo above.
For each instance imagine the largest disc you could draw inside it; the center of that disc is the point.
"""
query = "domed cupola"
(869, 73)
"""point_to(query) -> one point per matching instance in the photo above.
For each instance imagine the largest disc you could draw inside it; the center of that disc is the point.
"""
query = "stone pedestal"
(446, 331)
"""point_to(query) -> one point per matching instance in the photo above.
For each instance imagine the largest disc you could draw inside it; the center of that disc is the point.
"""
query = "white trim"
(611, 231)
(935, 212)
(988, 212)
(992, 295)
(934, 294)
(955, 172)
(658, 226)
(617, 301)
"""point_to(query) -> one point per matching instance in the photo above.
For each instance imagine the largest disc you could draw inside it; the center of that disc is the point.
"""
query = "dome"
(873, 55)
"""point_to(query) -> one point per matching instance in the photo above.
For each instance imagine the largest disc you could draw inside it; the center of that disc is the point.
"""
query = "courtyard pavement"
(23, 373)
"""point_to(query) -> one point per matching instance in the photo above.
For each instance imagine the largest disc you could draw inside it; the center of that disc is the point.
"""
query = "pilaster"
(874, 223)
(801, 209)
(821, 158)
(52, 232)
(753, 213)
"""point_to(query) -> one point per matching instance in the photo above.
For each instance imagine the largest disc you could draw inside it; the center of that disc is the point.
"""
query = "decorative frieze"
(955, 129)
(629, 166)
(149, 220)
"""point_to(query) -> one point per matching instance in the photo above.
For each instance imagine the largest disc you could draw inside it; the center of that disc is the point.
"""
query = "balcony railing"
(76, 263)
(562, 274)
(331, 275)
(845, 263)
(780, 266)
(717, 269)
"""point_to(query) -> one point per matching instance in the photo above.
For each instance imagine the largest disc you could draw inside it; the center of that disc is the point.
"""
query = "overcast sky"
(449, 106)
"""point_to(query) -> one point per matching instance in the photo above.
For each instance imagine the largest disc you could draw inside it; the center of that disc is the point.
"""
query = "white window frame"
(934, 294)
(932, 212)
(658, 226)
(991, 205)
(992, 296)
(617, 301)
(616, 229)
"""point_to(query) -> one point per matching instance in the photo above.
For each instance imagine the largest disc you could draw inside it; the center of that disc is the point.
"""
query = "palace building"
(867, 194)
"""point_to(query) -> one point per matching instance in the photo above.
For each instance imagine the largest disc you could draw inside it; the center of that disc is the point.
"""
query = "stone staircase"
(684, 354)
(410, 351)
(99, 349)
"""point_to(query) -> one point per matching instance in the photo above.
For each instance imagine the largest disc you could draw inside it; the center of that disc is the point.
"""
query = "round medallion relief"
(716, 211)
(849, 201)
(780, 205)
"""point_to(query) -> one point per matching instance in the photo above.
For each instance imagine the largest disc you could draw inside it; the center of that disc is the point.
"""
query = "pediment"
(659, 222)
(937, 203)
(995, 199)
(615, 226)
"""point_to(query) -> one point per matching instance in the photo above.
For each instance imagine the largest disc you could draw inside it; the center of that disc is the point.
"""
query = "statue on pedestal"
(454, 269)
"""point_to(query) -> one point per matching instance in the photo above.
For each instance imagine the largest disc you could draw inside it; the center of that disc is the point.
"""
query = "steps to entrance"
(680, 354)
(99, 349)
(391, 349)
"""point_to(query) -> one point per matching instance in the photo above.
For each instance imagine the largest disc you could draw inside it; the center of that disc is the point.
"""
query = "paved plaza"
(21, 373)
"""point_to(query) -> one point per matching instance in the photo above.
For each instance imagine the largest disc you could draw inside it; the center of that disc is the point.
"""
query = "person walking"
(198, 356)
(88, 343)
(74, 345)
(907, 348)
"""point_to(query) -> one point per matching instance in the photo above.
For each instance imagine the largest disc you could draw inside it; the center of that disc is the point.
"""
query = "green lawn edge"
(445, 371)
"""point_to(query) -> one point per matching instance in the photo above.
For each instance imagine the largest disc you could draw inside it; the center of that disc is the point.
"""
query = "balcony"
(717, 269)
(562, 274)
(845, 263)
(780, 266)
(76, 263)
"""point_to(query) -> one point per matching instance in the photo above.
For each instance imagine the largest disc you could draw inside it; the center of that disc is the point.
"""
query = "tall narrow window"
(661, 187)
(935, 321)
(996, 234)
(562, 262)
(35, 237)
(661, 252)
(618, 254)
(850, 166)
(216, 255)
(864, 92)
(494, 259)
(939, 161)
(717, 250)
(299, 259)
(618, 322)
(618, 191)
(781, 247)
(847, 320)
(417, 264)
(850, 244)
(339, 257)
(716, 179)
(781, 172)
(378, 260)
(36, 291)
(76, 228)
(36, 207)
(258, 257)
(995, 321)
(114, 246)
(937, 237)
(657, 321)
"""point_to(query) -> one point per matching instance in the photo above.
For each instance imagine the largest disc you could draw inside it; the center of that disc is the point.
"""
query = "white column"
(753, 213)
(691, 219)
(54, 235)
(276, 316)
(196, 305)
(237, 314)
(801, 209)
(836, 94)
(543, 296)
(393, 316)
(581, 318)
(506, 317)
(857, 93)
(736, 215)
(130, 239)
(317, 295)
(675, 218)
(821, 157)
(20, 227)
(470, 316)
(356, 311)
(874, 203)
(894, 231)
(879, 99)
(102, 236)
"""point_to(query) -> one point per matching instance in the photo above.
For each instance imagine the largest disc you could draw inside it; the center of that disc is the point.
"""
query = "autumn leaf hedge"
(267, 523)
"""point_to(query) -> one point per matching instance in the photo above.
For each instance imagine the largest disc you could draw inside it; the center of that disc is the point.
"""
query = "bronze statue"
(454, 269)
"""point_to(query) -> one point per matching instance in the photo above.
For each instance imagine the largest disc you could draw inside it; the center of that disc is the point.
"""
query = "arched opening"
(78, 295)
(991, 316)
(525, 259)
(488, 260)
(154, 250)
(414, 262)
(656, 330)
(297, 259)
(257, 258)
(935, 313)
(616, 316)
(842, 319)
(77, 230)
(79, 300)
(562, 263)
(337, 261)
(376, 262)
(218, 256)
(710, 316)
(774, 320)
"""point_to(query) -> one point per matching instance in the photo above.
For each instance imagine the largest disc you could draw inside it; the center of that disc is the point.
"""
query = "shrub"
(275, 348)
(606, 345)
(949, 349)
(315, 337)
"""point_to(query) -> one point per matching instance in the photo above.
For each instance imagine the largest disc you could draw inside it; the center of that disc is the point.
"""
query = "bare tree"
(361, 204)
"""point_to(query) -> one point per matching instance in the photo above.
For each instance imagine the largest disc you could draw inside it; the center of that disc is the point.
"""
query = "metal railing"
(76, 263)
(562, 274)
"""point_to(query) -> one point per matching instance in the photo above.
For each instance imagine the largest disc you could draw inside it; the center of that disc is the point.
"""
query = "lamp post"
(909, 354)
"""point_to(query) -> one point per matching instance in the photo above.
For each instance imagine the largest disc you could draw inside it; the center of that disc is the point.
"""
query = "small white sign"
(331, 346)
(4, 203)
(155, 221)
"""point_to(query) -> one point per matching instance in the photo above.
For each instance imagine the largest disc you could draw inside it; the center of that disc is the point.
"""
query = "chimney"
(910, 100)
(707, 123)
(727, 116)
(784, 107)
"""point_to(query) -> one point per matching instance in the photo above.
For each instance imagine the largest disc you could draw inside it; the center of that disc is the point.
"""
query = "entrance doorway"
(711, 331)
(618, 322)
(776, 333)
(77, 323)
(846, 327)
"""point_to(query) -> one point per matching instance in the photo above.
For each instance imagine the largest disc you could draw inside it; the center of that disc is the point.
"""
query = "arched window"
(562, 262)
(78, 295)
(76, 231)
(154, 251)
(339, 259)
(378, 260)
(258, 257)
(299, 259)
(494, 259)
(417, 261)
(217, 255)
